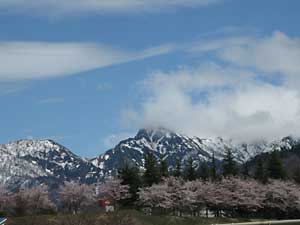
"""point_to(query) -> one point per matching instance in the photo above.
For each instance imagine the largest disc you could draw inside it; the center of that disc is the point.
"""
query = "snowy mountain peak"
(30, 162)
(32, 147)
(174, 146)
(27, 162)
(153, 134)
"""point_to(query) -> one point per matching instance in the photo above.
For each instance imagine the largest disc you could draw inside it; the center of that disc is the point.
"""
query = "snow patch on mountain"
(177, 146)
(30, 162)
(27, 162)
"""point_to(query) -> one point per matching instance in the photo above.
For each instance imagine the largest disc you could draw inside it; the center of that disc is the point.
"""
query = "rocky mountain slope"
(173, 145)
(289, 157)
(28, 162)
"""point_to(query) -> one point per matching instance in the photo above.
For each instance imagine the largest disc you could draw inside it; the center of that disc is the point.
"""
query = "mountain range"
(31, 162)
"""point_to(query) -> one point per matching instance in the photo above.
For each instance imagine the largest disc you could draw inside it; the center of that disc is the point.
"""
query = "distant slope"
(289, 155)
(173, 145)
(31, 162)
(28, 162)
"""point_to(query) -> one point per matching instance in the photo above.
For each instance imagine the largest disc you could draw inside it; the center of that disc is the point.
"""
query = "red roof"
(105, 202)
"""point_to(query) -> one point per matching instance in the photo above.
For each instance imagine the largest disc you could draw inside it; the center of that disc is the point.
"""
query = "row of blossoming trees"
(72, 197)
(229, 196)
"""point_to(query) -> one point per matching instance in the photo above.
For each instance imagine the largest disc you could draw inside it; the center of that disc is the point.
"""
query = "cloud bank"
(40, 60)
(247, 93)
(277, 53)
(100, 6)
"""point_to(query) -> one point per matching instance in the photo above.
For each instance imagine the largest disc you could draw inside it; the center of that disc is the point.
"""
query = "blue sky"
(88, 73)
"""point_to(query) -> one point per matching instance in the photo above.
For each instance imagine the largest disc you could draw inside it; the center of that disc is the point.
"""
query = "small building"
(2, 221)
(107, 204)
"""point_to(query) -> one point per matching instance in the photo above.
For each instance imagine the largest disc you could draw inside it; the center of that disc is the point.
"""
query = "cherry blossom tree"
(5, 198)
(74, 196)
(156, 197)
(241, 195)
(113, 189)
(38, 198)
(281, 197)
(188, 196)
(32, 201)
(175, 195)
(249, 195)
(171, 195)
(20, 202)
(231, 195)
(175, 185)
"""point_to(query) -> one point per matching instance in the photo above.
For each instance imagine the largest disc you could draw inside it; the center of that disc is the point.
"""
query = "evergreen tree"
(151, 174)
(130, 176)
(204, 171)
(245, 171)
(260, 173)
(164, 171)
(190, 171)
(213, 167)
(297, 175)
(274, 167)
(229, 165)
(177, 171)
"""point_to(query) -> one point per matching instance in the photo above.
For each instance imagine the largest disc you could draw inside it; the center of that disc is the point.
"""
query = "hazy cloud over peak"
(233, 101)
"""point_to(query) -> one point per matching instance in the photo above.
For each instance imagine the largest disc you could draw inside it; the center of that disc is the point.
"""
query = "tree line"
(261, 179)
(155, 170)
(230, 197)
(69, 198)
(186, 188)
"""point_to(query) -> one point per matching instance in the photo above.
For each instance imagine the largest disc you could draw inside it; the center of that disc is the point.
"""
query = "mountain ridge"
(175, 145)
(31, 162)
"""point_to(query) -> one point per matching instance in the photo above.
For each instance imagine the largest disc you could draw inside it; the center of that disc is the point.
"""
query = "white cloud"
(229, 100)
(100, 6)
(39, 60)
(277, 53)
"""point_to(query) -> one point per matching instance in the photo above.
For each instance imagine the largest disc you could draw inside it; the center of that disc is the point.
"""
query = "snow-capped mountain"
(29, 162)
(173, 146)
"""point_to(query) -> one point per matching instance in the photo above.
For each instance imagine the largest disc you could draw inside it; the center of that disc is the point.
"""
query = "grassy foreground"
(124, 217)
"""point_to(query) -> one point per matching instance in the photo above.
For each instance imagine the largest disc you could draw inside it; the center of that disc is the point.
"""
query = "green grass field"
(124, 217)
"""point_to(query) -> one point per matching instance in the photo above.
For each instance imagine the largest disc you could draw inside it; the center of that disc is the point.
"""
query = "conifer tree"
(245, 171)
(260, 173)
(229, 165)
(164, 171)
(213, 167)
(274, 167)
(151, 174)
(190, 170)
(297, 175)
(204, 171)
(130, 176)
(177, 171)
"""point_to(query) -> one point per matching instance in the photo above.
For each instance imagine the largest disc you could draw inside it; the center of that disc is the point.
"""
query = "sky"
(89, 73)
